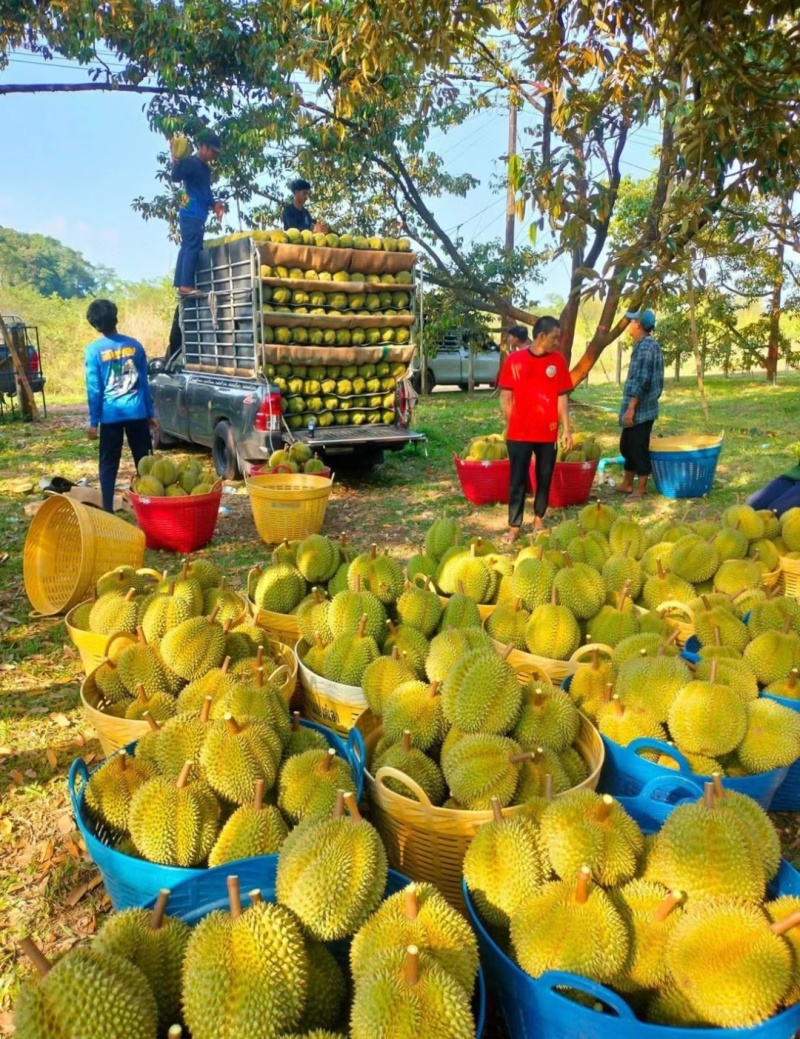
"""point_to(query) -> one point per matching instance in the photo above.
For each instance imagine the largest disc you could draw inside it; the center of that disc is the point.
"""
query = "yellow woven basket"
(528, 663)
(484, 609)
(68, 547)
(113, 733)
(428, 843)
(281, 626)
(790, 575)
(289, 505)
(679, 617)
(90, 645)
(773, 578)
(338, 707)
(685, 443)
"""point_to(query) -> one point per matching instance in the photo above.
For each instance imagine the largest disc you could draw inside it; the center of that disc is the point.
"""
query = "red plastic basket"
(484, 483)
(572, 483)
(181, 524)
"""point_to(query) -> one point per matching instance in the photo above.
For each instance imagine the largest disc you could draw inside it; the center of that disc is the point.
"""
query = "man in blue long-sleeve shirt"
(198, 202)
(120, 402)
(639, 410)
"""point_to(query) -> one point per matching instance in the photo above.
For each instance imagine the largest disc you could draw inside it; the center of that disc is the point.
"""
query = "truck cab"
(449, 365)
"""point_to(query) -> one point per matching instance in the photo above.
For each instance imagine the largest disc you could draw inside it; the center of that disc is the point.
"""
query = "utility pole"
(511, 208)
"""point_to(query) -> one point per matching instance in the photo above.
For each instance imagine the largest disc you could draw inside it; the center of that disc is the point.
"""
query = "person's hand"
(220, 209)
(567, 441)
(153, 423)
(627, 418)
(321, 227)
(91, 432)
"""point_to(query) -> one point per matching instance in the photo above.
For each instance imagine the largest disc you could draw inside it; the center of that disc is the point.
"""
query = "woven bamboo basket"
(332, 704)
(484, 609)
(428, 843)
(773, 578)
(68, 547)
(281, 626)
(288, 506)
(790, 576)
(679, 617)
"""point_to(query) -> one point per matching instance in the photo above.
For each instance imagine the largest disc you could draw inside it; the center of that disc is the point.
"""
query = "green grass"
(42, 862)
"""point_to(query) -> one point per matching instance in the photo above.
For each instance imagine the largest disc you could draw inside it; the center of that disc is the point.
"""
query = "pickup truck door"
(212, 398)
(169, 396)
(487, 363)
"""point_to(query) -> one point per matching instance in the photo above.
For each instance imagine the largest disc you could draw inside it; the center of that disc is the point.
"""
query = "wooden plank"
(19, 369)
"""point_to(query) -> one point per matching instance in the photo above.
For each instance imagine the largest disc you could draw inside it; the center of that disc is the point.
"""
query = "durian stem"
(662, 911)
(793, 678)
(175, 1032)
(316, 596)
(183, 778)
(671, 638)
(412, 965)
(123, 760)
(141, 636)
(608, 692)
(660, 568)
(258, 800)
(295, 721)
(159, 910)
(595, 660)
(706, 603)
(352, 806)
(623, 595)
(275, 557)
(788, 922)
(327, 761)
(373, 551)
(713, 673)
(787, 626)
(211, 618)
(36, 956)
(130, 594)
(604, 809)
(234, 728)
(226, 663)
(433, 689)
(708, 795)
(394, 653)
(582, 891)
(619, 710)
(717, 636)
(154, 726)
(719, 789)
(553, 596)
(390, 624)
(497, 811)
(255, 896)
(460, 587)
(338, 808)
(171, 586)
(507, 651)
(527, 755)
(141, 694)
(227, 625)
(407, 741)
(515, 605)
(234, 897)
(410, 904)
(357, 584)
(362, 625)
(538, 697)
(184, 570)
(548, 787)
(260, 656)
(205, 710)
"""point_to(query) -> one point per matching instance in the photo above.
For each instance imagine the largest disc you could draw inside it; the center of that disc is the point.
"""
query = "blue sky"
(83, 158)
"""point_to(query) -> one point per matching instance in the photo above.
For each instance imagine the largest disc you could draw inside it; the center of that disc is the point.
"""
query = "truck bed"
(329, 438)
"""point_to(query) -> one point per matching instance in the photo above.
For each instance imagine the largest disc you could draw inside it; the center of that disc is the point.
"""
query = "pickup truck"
(449, 366)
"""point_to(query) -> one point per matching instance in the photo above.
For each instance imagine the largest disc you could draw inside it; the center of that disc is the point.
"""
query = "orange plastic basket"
(69, 546)
(289, 505)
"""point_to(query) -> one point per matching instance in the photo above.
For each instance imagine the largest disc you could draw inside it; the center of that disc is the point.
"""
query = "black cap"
(299, 185)
(209, 139)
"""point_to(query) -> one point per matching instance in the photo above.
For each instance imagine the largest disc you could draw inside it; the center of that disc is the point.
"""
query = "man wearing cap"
(198, 200)
(643, 386)
(295, 214)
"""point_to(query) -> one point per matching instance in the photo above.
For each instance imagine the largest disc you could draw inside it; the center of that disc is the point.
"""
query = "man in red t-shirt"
(534, 386)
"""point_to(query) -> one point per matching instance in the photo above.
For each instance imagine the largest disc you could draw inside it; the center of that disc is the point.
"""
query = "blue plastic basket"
(787, 796)
(207, 890)
(684, 474)
(135, 882)
(533, 1008)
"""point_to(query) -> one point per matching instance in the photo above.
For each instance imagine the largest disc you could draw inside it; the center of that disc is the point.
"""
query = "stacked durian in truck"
(318, 330)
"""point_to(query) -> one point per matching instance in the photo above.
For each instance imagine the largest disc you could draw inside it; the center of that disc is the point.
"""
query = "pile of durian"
(160, 477)
(584, 449)
(298, 458)
(350, 394)
(263, 970)
(328, 240)
(488, 448)
(679, 924)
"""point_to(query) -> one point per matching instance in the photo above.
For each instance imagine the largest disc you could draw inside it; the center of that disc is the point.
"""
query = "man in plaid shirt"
(643, 387)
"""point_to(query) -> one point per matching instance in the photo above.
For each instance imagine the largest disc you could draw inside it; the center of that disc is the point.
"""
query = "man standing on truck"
(295, 214)
(198, 201)
(534, 386)
(118, 393)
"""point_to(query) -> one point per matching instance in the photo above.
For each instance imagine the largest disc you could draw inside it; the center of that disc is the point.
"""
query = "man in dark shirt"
(639, 409)
(198, 200)
(295, 213)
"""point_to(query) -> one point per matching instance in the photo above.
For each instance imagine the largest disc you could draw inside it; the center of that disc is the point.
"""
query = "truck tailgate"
(345, 437)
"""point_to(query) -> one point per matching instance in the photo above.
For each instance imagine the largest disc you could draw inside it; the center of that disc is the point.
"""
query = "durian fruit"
(460, 611)
(112, 990)
(570, 925)
(693, 559)
(416, 708)
(412, 763)
(553, 630)
(411, 645)
(214, 684)
(541, 774)
(111, 787)
(548, 718)
(349, 655)
(258, 696)
(308, 783)
(504, 866)
(442, 535)
(772, 524)
(156, 944)
(774, 654)
(737, 575)
(194, 647)
(670, 1007)
(731, 670)
(598, 517)
(482, 766)
(707, 717)
(790, 529)
(108, 681)
(760, 830)
(583, 828)
(159, 706)
(730, 543)
(611, 624)
(787, 689)
(327, 992)
(381, 575)
(417, 915)
(590, 548)
(256, 964)
(765, 552)
(420, 607)
(236, 754)
(746, 519)
(204, 571)
(651, 914)
(303, 738)
(382, 676)
(665, 587)
(332, 872)
(507, 624)
(280, 588)
(448, 647)
(620, 570)
(785, 911)
(347, 608)
(708, 852)
(113, 612)
(581, 589)
(174, 823)
(532, 581)
(731, 965)
(563, 533)
(623, 725)
(627, 532)
(481, 693)
(732, 632)
(227, 603)
(651, 683)
(421, 563)
(411, 997)
(660, 551)
(252, 830)
(317, 558)
(772, 737)
(770, 615)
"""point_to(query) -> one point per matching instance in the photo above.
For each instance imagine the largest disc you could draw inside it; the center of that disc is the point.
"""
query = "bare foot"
(510, 536)
(538, 523)
(622, 489)
(635, 496)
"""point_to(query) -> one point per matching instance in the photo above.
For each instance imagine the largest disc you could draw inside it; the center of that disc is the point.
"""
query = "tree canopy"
(44, 264)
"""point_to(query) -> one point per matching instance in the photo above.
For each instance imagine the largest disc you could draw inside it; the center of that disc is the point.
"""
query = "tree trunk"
(678, 366)
(568, 319)
(773, 350)
(604, 335)
(694, 338)
(618, 373)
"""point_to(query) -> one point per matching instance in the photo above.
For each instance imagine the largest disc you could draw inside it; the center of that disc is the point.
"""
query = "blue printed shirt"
(116, 381)
(645, 380)
(196, 178)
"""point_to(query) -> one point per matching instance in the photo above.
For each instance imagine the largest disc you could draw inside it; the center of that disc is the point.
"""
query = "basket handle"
(250, 579)
(77, 769)
(668, 785)
(113, 638)
(645, 743)
(673, 606)
(387, 772)
(356, 749)
(148, 571)
(280, 675)
(590, 647)
(554, 979)
(536, 671)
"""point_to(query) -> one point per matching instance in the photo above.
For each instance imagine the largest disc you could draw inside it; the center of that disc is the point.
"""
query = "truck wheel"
(224, 453)
(431, 381)
(160, 439)
(464, 387)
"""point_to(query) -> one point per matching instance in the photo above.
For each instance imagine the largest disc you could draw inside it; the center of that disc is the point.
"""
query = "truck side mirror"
(156, 366)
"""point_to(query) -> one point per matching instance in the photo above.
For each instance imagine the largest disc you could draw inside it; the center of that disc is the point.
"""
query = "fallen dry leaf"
(51, 757)
(76, 894)
(65, 824)
(95, 882)
(47, 852)
(60, 719)
(17, 776)
(31, 773)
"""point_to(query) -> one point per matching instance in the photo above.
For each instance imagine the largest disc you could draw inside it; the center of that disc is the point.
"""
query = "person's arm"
(94, 392)
(506, 404)
(563, 418)
(637, 383)
(144, 382)
(179, 170)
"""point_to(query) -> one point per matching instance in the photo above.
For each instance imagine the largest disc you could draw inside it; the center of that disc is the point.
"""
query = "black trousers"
(520, 453)
(192, 231)
(634, 446)
(138, 434)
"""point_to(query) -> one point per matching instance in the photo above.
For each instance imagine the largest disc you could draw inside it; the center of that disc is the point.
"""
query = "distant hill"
(44, 264)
